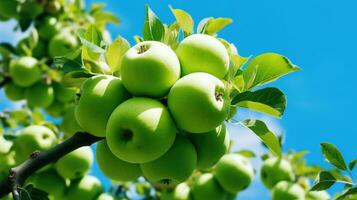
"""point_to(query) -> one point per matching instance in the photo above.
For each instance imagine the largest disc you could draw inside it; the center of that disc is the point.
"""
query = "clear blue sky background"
(318, 35)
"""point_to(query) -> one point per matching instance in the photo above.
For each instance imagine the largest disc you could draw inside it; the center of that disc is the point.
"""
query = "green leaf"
(102, 18)
(91, 39)
(246, 153)
(153, 27)
(352, 164)
(70, 62)
(333, 155)
(38, 117)
(268, 100)
(75, 78)
(5, 145)
(267, 137)
(323, 181)
(347, 194)
(115, 52)
(215, 25)
(266, 68)
(172, 35)
(202, 26)
(184, 20)
(32, 193)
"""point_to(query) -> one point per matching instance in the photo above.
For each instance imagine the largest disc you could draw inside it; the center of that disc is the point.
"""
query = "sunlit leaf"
(323, 181)
(184, 20)
(153, 27)
(115, 52)
(333, 155)
(246, 153)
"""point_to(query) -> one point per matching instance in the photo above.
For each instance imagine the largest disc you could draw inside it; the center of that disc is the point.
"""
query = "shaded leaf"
(333, 155)
(75, 78)
(323, 181)
(32, 193)
(184, 20)
(347, 194)
(352, 164)
(153, 28)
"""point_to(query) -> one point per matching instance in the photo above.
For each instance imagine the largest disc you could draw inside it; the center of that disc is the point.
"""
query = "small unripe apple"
(285, 190)
(198, 102)
(210, 146)
(48, 27)
(69, 125)
(234, 172)
(174, 167)
(40, 95)
(89, 187)
(207, 187)
(140, 130)
(50, 182)
(62, 44)
(107, 196)
(276, 169)
(181, 192)
(76, 164)
(100, 95)
(25, 71)
(317, 195)
(14, 92)
(33, 138)
(203, 53)
(113, 167)
(150, 68)
(64, 94)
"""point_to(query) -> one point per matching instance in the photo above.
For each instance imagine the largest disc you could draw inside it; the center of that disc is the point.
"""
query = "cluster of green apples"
(277, 174)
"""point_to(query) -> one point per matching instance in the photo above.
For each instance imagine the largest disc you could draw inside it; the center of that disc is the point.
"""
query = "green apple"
(207, 187)
(48, 27)
(40, 50)
(25, 71)
(56, 109)
(285, 190)
(210, 146)
(150, 68)
(62, 44)
(40, 95)
(50, 182)
(276, 169)
(198, 102)
(174, 167)
(69, 125)
(140, 130)
(203, 53)
(234, 172)
(8, 8)
(87, 188)
(76, 164)
(317, 195)
(181, 192)
(7, 161)
(33, 138)
(351, 197)
(64, 94)
(107, 196)
(113, 167)
(14, 92)
(100, 95)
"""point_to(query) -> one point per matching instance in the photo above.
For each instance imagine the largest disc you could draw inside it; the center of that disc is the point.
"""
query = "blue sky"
(320, 36)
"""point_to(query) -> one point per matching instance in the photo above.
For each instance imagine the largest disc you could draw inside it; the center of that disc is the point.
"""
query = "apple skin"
(8, 8)
(113, 168)
(285, 190)
(274, 170)
(76, 164)
(140, 130)
(210, 146)
(203, 53)
(100, 95)
(40, 95)
(181, 192)
(198, 102)
(33, 138)
(7, 161)
(64, 94)
(62, 44)
(14, 92)
(89, 187)
(152, 72)
(25, 71)
(48, 27)
(174, 167)
(69, 125)
(234, 172)
(317, 195)
(207, 187)
(50, 182)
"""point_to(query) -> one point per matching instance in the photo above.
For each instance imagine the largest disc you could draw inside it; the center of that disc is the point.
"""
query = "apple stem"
(37, 160)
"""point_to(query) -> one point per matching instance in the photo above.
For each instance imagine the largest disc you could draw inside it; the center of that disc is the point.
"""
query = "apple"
(33, 138)
(276, 169)
(149, 68)
(7, 161)
(62, 43)
(89, 187)
(8, 8)
(210, 146)
(198, 102)
(207, 187)
(114, 168)
(140, 130)
(40, 95)
(203, 53)
(25, 71)
(285, 190)
(14, 92)
(64, 94)
(50, 182)
(69, 125)
(181, 192)
(317, 195)
(53, 7)
(174, 167)
(48, 27)
(107, 196)
(100, 95)
(56, 109)
(234, 172)
(75, 164)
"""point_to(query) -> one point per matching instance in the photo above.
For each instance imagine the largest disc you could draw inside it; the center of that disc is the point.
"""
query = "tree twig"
(19, 174)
